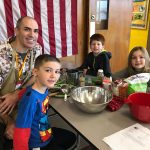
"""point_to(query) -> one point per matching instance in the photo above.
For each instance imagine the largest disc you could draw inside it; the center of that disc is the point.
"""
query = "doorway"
(114, 23)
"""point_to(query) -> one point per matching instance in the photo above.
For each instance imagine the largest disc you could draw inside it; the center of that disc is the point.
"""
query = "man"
(17, 57)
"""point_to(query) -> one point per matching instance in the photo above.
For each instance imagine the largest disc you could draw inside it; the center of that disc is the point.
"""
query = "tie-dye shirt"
(6, 59)
(32, 128)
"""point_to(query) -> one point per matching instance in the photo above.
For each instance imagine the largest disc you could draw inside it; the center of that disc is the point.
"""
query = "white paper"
(135, 137)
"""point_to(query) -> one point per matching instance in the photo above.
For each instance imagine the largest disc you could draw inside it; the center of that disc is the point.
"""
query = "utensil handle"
(53, 94)
(65, 97)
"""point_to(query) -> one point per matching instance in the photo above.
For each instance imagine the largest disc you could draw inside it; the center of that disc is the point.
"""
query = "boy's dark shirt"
(93, 63)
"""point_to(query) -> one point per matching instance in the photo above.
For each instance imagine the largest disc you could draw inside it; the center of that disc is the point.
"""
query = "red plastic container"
(139, 104)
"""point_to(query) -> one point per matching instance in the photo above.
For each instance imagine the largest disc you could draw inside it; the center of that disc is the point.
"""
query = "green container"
(138, 87)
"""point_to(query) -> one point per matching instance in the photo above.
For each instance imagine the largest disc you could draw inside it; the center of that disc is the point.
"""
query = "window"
(102, 11)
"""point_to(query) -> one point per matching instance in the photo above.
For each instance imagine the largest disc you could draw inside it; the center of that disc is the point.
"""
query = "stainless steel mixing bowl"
(91, 99)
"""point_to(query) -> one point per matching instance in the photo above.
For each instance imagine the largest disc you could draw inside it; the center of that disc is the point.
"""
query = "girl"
(138, 62)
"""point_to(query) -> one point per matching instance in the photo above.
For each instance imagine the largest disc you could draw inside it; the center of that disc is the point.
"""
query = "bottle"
(100, 75)
(107, 84)
(82, 80)
(115, 89)
(64, 76)
(88, 81)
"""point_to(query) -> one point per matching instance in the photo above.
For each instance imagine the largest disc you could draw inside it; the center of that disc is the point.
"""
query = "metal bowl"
(91, 99)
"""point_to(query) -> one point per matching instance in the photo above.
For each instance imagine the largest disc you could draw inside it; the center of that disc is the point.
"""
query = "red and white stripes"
(57, 20)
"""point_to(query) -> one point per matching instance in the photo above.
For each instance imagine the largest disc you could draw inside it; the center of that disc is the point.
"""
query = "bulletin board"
(140, 14)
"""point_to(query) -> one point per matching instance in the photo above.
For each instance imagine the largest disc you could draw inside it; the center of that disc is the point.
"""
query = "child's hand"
(10, 131)
(124, 84)
(119, 81)
(84, 71)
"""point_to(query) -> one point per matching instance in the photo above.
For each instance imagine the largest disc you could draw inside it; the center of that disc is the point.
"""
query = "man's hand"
(8, 103)
(9, 132)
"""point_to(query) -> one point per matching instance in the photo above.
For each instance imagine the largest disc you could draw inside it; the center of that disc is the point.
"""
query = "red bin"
(139, 104)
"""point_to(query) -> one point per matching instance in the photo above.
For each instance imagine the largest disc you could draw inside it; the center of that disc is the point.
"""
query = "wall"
(138, 37)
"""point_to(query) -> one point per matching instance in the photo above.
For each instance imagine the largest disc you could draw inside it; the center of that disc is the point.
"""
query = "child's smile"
(96, 46)
(48, 74)
(138, 60)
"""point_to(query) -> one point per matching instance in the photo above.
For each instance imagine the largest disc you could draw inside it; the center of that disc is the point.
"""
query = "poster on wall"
(140, 14)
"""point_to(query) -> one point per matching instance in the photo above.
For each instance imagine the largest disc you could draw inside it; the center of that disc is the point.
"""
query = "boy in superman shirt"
(32, 129)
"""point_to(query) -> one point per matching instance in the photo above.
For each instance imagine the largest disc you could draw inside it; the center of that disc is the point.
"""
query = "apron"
(9, 84)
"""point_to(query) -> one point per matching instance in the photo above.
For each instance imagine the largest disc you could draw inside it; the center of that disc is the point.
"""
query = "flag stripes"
(9, 17)
(57, 20)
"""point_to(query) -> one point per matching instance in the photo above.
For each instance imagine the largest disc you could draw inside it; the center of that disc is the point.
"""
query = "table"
(94, 127)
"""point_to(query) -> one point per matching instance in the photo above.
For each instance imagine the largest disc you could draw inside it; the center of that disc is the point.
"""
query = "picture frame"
(140, 14)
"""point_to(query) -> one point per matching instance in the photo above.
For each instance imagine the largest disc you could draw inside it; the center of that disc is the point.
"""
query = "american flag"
(57, 20)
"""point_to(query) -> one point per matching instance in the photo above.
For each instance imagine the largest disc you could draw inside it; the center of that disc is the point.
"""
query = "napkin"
(135, 137)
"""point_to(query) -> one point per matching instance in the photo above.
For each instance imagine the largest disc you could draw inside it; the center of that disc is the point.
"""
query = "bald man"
(17, 57)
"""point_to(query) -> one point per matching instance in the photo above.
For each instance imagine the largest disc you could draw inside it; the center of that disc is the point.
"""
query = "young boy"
(98, 58)
(32, 129)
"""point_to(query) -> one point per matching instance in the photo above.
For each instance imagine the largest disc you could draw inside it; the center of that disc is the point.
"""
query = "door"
(112, 18)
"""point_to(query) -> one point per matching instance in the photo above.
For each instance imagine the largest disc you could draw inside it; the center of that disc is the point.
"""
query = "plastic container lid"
(100, 70)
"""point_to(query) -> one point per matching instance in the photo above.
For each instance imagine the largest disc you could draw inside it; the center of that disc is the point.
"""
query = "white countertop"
(94, 127)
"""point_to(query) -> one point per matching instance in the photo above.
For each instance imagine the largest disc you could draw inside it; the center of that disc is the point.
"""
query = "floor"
(57, 121)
